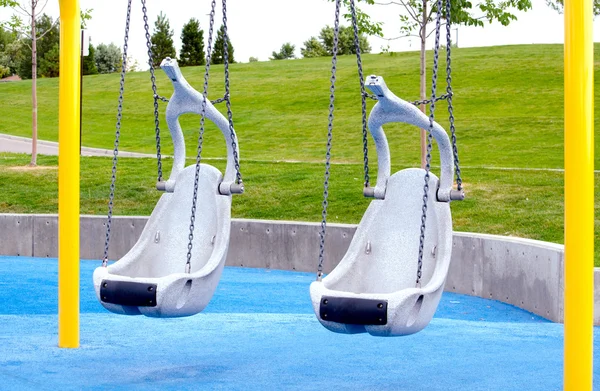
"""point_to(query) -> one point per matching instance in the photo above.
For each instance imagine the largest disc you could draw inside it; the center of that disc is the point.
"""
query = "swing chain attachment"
(113, 179)
(336, 31)
(227, 98)
(154, 93)
(188, 264)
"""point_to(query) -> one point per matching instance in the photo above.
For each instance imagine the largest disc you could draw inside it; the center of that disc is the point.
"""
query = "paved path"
(17, 144)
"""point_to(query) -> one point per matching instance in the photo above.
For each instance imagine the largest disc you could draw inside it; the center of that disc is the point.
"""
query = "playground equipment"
(151, 278)
(378, 287)
(579, 190)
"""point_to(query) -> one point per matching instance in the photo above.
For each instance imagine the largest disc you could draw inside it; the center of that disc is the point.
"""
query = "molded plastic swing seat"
(158, 258)
(374, 287)
(387, 273)
(151, 279)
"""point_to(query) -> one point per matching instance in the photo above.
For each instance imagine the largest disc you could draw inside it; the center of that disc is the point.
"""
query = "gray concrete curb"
(522, 272)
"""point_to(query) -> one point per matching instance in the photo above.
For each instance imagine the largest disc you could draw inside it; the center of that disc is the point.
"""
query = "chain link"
(449, 93)
(155, 95)
(336, 31)
(363, 94)
(436, 53)
(188, 264)
(227, 96)
(113, 179)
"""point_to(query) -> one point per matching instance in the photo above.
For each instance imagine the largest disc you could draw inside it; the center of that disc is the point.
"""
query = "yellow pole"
(68, 175)
(579, 195)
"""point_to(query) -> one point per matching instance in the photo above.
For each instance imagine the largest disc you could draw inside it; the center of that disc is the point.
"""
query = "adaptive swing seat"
(151, 279)
(373, 289)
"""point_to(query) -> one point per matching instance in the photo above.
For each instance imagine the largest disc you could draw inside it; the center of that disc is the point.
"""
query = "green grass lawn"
(508, 108)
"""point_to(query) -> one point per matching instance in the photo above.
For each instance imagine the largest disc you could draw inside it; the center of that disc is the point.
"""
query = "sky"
(259, 27)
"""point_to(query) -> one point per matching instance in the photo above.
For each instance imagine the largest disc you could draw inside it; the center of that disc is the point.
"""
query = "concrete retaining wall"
(522, 272)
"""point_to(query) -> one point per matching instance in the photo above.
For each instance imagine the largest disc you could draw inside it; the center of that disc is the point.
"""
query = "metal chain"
(188, 264)
(117, 136)
(428, 101)
(449, 93)
(220, 100)
(236, 161)
(417, 102)
(363, 94)
(336, 31)
(429, 141)
(155, 94)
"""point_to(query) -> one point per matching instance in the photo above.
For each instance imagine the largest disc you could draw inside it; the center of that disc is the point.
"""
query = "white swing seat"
(374, 287)
(151, 279)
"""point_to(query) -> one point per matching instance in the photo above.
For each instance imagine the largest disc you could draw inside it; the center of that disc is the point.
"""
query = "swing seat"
(374, 287)
(151, 279)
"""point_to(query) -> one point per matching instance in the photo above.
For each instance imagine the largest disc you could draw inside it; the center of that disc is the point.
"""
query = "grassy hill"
(508, 108)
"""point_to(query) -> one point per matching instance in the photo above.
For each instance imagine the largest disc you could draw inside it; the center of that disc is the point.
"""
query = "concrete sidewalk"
(16, 144)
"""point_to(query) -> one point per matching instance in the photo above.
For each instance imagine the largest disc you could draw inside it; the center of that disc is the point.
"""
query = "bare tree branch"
(44, 6)
(410, 11)
(50, 29)
(433, 30)
(23, 11)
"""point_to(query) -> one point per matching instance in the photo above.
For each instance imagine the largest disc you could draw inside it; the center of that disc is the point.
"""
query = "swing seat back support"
(151, 279)
(373, 289)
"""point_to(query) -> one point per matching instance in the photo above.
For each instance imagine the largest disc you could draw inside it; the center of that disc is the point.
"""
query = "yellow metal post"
(68, 175)
(579, 195)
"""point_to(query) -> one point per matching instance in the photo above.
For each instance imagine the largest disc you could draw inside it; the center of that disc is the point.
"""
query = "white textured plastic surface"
(159, 256)
(388, 272)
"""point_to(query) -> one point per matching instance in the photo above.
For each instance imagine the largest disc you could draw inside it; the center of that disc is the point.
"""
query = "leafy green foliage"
(253, 59)
(218, 53)
(11, 52)
(286, 52)
(48, 65)
(162, 40)
(559, 6)
(313, 48)
(192, 44)
(89, 62)
(108, 58)
(48, 41)
(345, 41)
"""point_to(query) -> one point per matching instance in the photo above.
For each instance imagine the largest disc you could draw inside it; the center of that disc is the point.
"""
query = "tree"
(559, 6)
(108, 58)
(162, 40)
(29, 33)
(192, 44)
(49, 63)
(11, 51)
(89, 61)
(345, 41)
(416, 17)
(313, 48)
(253, 59)
(286, 51)
(219, 49)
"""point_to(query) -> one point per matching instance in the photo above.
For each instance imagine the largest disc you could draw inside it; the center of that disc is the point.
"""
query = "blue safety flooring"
(259, 333)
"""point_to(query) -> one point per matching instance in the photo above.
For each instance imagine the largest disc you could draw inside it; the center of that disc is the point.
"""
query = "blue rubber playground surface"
(259, 333)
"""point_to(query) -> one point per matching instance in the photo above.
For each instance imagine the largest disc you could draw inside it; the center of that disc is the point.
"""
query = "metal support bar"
(68, 175)
(579, 195)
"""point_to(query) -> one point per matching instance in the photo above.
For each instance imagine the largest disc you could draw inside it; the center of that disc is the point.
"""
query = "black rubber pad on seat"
(129, 293)
(353, 310)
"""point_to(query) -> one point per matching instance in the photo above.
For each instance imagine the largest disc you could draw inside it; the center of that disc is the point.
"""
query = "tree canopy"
(218, 53)
(162, 40)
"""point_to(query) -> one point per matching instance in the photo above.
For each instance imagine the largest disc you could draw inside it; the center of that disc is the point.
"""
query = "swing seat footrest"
(350, 310)
(128, 293)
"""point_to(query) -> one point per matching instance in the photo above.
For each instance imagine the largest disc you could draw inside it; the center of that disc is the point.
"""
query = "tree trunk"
(34, 104)
(423, 74)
